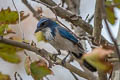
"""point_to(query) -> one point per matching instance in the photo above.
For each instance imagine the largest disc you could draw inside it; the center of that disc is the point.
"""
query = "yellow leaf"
(9, 30)
(117, 2)
(4, 77)
(2, 28)
(8, 53)
(39, 36)
(97, 59)
(27, 65)
(110, 15)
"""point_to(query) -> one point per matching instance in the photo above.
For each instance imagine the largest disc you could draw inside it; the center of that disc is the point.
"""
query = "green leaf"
(8, 17)
(4, 77)
(117, 2)
(110, 15)
(38, 70)
(3, 27)
(8, 53)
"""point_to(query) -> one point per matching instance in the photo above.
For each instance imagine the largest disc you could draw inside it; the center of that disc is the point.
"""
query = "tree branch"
(97, 22)
(31, 9)
(97, 31)
(73, 5)
(45, 54)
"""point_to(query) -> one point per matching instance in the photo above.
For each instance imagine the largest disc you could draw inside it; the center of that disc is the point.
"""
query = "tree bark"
(97, 31)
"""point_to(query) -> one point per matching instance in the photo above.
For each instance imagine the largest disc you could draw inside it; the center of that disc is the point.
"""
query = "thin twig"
(86, 17)
(74, 76)
(112, 5)
(90, 19)
(35, 14)
(110, 76)
(47, 78)
(19, 21)
(112, 38)
(14, 5)
(17, 74)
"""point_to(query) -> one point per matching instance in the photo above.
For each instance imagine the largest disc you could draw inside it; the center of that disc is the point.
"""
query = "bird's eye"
(42, 24)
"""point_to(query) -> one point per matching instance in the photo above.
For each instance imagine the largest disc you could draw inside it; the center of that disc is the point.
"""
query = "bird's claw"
(63, 61)
(54, 56)
(59, 52)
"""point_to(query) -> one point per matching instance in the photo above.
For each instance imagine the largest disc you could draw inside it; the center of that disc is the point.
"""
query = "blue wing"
(63, 32)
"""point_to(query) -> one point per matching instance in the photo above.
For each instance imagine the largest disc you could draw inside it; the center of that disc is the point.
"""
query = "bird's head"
(45, 23)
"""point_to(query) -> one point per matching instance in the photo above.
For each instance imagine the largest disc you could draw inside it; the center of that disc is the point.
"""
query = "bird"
(61, 39)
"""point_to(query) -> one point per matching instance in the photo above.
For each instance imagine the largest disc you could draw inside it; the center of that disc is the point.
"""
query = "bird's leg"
(74, 55)
(64, 60)
(71, 59)
(55, 55)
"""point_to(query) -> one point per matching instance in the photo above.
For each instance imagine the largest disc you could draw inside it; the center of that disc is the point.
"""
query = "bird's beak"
(38, 29)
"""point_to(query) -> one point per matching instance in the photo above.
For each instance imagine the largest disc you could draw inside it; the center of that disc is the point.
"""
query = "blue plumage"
(41, 21)
(63, 32)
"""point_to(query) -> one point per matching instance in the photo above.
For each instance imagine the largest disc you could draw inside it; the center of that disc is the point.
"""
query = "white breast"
(47, 34)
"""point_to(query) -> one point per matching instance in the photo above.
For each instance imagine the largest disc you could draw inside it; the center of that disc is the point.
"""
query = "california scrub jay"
(60, 38)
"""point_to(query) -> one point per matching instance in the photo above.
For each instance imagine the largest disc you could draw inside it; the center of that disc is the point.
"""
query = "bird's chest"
(47, 34)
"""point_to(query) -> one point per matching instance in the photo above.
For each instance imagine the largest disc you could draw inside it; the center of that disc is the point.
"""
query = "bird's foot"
(54, 56)
(64, 60)
(59, 52)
